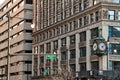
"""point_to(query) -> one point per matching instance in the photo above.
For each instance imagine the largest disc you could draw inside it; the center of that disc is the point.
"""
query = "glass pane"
(114, 31)
(116, 1)
(111, 15)
(118, 15)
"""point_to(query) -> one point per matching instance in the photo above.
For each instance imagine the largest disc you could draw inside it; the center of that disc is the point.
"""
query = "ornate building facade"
(68, 27)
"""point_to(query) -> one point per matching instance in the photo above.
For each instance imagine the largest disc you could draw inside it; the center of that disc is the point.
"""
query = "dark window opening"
(29, 20)
(29, 1)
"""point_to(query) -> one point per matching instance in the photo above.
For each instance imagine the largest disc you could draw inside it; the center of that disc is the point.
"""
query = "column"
(32, 62)
(77, 52)
(59, 53)
(51, 64)
(88, 52)
(63, 8)
(68, 54)
(38, 60)
(44, 56)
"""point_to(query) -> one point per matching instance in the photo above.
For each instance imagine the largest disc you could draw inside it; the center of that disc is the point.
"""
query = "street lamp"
(8, 54)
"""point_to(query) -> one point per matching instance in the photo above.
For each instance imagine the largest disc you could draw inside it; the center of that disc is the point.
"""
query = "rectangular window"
(73, 67)
(114, 31)
(85, 4)
(48, 45)
(55, 44)
(95, 65)
(83, 52)
(63, 56)
(96, 16)
(111, 15)
(116, 1)
(41, 60)
(75, 23)
(114, 49)
(41, 48)
(71, 26)
(82, 66)
(80, 22)
(66, 27)
(82, 36)
(29, 1)
(63, 41)
(91, 18)
(72, 54)
(94, 33)
(118, 15)
(80, 7)
(85, 20)
(72, 39)
(58, 30)
(35, 61)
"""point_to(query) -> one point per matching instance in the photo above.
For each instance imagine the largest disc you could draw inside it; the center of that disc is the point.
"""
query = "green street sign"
(50, 56)
(46, 70)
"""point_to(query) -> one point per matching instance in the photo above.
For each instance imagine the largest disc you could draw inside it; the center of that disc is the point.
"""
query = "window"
(41, 48)
(85, 4)
(36, 50)
(58, 30)
(73, 67)
(66, 27)
(72, 54)
(114, 49)
(71, 26)
(111, 15)
(96, 16)
(48, 45)
(85, 20)
(118, 15)
(55, 44)
(115, 65)
(62, 30)
(116, 1)
(29, 1)
(82, 36)
(82, 66)
(35, 61)
(94, 33)
(75, 23)
(95, 65)
(63, 55)
(80, 22)
(72, 39)
(91, 18)
(114, 31)
(80, 6)
(50, 33)
(83, 52)
(63, 41)
(42, 60)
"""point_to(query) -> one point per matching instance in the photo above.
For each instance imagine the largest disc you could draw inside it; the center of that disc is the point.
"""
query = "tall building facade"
(19, 38)
(68, 27)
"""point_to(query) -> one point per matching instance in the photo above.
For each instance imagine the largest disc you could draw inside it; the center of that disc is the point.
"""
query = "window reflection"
(118, 15)
(116, 1)
(111, 15)
(114, 31)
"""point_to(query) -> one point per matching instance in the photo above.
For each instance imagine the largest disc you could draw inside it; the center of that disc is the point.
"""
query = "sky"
(1, 1)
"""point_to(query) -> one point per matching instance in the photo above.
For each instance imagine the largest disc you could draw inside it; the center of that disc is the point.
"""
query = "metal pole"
(108, 56)
(8, 55)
